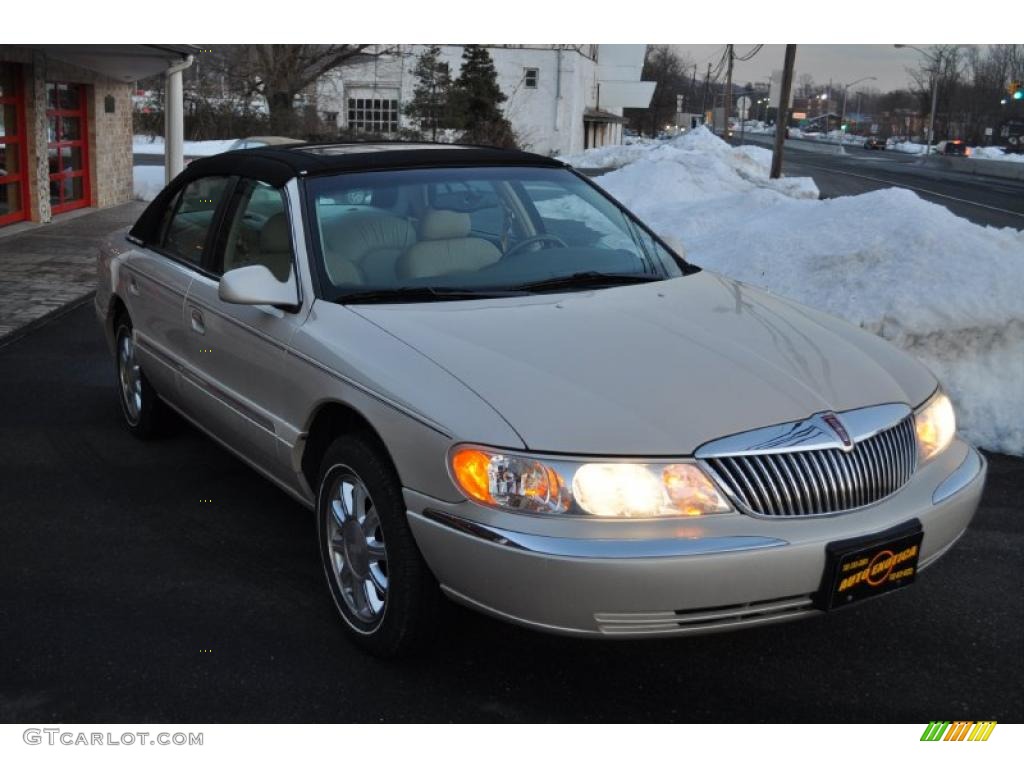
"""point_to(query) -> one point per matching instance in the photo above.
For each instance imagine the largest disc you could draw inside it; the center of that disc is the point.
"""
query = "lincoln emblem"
(837, 426)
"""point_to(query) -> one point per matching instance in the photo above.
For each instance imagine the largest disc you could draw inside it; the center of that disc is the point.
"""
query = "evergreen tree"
(431, 99)
(477, 100)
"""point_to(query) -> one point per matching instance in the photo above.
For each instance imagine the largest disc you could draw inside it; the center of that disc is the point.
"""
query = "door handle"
(198, 324)
(133, 285)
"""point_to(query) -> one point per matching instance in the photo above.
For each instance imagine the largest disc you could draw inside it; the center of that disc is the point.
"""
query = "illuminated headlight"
(612, 490)
(935, 423)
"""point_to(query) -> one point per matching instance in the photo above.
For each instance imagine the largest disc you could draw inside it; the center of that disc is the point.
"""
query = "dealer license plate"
(869, 566)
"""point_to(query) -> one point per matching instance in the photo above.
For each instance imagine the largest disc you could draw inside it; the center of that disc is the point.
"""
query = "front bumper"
(669, 577)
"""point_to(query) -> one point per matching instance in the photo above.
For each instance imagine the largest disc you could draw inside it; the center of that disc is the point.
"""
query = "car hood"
(654, 369)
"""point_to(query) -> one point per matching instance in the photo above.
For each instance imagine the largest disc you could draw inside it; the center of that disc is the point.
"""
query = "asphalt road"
(984, 200)
(125, 598)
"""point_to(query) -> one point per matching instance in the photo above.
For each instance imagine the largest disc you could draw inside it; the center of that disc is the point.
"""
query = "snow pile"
(994, 153)
(694, 166)
(154, 145)
(147, 181)
(936, 285)
(908, 147)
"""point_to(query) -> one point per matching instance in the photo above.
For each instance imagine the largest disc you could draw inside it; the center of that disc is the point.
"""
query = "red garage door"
(13, 163)
(67, 131)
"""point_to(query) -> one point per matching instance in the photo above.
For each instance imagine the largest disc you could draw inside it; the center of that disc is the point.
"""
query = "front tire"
(386, 596)
(142, 408)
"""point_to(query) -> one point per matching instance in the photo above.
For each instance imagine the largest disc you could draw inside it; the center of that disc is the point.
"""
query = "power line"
(750, 54)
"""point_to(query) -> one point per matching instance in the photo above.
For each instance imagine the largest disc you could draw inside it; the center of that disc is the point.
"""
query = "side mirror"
(256, 284)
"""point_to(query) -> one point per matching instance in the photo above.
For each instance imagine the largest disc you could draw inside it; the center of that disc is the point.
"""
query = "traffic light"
(1016, 90)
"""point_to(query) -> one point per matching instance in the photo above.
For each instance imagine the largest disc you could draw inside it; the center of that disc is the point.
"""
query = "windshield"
(438, 233)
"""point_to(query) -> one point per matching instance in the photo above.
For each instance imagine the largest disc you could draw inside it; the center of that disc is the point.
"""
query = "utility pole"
(704, 98)
(727, 105)
(691, 97)
(782, 114)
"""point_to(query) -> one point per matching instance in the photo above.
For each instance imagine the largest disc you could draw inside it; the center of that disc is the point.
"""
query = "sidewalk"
(46, 267)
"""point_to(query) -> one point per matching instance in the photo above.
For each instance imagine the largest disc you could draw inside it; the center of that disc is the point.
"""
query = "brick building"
(66, 124)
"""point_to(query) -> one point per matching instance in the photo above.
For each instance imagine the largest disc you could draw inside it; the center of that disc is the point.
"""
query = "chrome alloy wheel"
(356, 550)
(130, 376)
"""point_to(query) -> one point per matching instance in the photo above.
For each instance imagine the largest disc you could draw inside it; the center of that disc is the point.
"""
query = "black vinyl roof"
(280, 163)
(277, 164)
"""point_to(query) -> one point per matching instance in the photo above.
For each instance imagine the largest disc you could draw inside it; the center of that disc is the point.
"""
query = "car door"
(237, 363)
(155, 278)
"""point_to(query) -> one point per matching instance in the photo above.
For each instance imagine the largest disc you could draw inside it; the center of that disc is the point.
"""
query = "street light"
(842, 115)
(936, 61)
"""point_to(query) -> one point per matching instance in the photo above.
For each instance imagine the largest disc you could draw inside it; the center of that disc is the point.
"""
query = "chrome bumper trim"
(603, 548)
(972, 465)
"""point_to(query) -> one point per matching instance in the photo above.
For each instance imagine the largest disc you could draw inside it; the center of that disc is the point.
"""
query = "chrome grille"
(817, 482)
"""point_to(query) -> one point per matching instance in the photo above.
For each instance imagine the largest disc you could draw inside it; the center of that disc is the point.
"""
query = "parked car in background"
(492, 382)
(252, 142)
(874, 142)
(952, 147)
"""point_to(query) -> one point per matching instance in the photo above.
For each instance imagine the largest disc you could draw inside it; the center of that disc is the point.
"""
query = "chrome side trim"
(601, 548)
(143, 343)
(961, 477)
(810, 434)
(309, 503)
(229, 400)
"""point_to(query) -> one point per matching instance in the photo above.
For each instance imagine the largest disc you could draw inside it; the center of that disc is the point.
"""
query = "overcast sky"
(841, 63)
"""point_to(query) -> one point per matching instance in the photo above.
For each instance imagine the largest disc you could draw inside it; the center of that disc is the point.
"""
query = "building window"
(530, 77)
(373, 115)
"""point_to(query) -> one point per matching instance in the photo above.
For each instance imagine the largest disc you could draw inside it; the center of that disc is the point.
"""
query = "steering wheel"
(536, 239)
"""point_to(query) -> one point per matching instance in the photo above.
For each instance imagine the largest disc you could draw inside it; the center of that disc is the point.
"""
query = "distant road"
(983, 200)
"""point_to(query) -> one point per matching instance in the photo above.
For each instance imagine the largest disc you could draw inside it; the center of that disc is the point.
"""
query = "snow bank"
(147, 181)
(694, 166)
(907, 147)
(146, 145)
(940, 287)
(994, 153)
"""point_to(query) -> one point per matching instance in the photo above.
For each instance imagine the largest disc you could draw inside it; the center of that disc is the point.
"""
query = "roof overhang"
(126, 63)
(600, 116)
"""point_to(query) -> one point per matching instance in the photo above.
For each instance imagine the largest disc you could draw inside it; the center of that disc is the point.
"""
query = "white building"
(562, 99)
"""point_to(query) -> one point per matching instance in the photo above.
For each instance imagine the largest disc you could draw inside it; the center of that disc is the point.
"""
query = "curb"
(33, 325)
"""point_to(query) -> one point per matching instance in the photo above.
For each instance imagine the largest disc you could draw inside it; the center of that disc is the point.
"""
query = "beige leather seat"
(371, 241)
(445, 247)
(276, 247)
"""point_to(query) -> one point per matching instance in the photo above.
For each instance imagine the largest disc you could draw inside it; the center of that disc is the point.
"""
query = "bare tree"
(805, 88)
(280, 73)
(945, 63)
(671, 72)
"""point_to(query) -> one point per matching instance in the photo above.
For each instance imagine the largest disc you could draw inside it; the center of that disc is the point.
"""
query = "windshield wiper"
(420, 293)
(587, 280)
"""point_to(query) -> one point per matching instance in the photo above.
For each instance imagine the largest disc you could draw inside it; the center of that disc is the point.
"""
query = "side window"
(191, 216)
(259, 231)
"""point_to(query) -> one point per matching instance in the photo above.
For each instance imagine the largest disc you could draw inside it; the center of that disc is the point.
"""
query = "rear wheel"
(382, 588)
(141, 407)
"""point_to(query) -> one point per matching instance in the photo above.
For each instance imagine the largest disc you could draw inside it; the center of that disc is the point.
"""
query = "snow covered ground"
(145, 145)
(940, 287)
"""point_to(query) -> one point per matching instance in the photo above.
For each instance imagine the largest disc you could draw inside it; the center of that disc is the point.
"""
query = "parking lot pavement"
(126, 598)
(44, 268)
